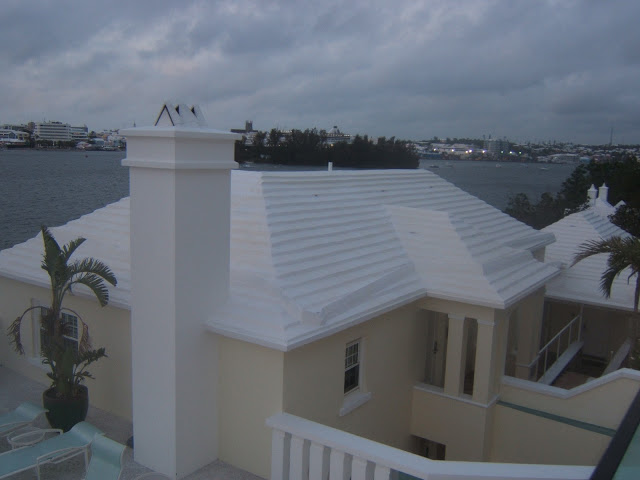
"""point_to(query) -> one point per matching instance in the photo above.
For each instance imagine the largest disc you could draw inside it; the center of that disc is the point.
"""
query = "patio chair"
(53, 450)
(106, 459)
(23, 416)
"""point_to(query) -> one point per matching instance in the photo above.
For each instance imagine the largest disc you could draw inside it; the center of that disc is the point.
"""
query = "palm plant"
(67, 362)
(623, 253)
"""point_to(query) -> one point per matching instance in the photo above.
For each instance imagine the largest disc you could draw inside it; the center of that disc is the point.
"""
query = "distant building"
(458, 149)
(13, 136)
(59, 132)
(496, 146)
(335, 135)
(248, 132)
(56, 131)
(79, 133)
(16, 127)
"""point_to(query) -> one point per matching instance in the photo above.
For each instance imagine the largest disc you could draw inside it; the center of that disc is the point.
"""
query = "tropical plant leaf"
(96, 267)
(624, 253)
(71, 247)
(96, 284)
(14, 335)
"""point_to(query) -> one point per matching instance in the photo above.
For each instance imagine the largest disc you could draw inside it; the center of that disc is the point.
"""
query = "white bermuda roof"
(315, 252)
(581, 283)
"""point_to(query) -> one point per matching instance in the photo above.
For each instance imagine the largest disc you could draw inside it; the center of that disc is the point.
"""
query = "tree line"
(622, 176)
(310, 148)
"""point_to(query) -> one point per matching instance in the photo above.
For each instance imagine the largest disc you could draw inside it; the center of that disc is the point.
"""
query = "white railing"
(305, 450)
(564, 336)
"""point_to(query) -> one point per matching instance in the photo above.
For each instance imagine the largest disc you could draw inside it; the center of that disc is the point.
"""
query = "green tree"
(67, 364)
(621, 176)
(627, 218)
(274, 137)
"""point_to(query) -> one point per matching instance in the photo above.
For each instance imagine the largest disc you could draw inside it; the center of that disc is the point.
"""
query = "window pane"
(351, 355)
(351, 378)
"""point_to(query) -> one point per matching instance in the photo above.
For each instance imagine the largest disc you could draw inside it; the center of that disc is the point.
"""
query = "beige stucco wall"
(108, 327)
(457, 423)
(250, 391)
(394, 356)
(519, 437)
(592, 403)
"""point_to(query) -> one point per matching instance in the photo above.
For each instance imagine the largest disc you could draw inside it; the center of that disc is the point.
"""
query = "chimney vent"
(604, 193)
(592, 193)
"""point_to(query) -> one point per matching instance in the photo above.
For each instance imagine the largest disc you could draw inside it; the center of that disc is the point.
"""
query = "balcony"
(305, 450)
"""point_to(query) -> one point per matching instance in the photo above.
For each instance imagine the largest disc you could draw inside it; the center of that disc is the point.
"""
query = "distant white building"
(79, 133)
(59, 132)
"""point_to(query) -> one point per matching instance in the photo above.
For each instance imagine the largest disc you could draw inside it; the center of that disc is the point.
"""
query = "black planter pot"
(64, 413)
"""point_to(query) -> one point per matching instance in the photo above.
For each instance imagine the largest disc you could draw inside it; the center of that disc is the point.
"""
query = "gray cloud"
(528, 70)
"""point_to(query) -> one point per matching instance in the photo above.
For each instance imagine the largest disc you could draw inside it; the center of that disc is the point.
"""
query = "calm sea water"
(52, 188)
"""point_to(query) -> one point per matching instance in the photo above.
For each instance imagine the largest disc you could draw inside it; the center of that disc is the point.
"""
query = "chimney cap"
(181, 115)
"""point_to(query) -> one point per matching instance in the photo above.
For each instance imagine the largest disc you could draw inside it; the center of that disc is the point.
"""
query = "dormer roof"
(581, 282)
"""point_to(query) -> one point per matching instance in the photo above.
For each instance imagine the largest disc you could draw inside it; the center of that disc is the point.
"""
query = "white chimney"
(180, 183)
(592, 193)
(604, 193)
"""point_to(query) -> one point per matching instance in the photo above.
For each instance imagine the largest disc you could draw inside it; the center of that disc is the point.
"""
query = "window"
(70, 333)
(352, 366)
(355, 384)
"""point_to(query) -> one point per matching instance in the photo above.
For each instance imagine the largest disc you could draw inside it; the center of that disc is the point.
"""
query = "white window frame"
(358, 395)
(36, 315)
(353, 349)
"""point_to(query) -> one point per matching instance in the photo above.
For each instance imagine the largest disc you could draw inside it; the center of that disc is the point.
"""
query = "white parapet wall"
(535, 423)
(302, 449)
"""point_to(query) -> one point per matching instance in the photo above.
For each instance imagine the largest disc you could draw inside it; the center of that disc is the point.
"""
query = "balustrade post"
(338, 468)
(381, 473)
(279, 455)
(299, 459)
(358, 468)
(318, 461)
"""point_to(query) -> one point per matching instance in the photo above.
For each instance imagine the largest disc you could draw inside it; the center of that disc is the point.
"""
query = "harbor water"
(53, 187)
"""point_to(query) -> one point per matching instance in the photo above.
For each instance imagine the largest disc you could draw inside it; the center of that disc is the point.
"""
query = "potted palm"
(67, 399)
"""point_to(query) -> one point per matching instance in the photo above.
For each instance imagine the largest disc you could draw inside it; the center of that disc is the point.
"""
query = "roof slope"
(315, 252)
(581, 282)
(107, 234)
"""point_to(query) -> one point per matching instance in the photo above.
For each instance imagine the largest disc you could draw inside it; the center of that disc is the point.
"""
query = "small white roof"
(313, 253)
(581, 283)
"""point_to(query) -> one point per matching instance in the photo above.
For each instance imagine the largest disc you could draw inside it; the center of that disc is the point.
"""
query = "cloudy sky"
(528, 70)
